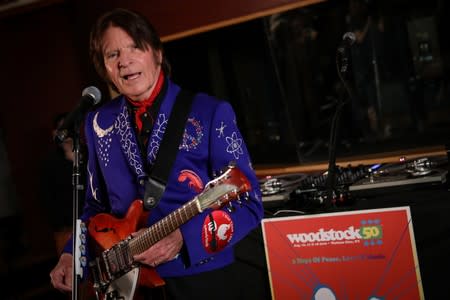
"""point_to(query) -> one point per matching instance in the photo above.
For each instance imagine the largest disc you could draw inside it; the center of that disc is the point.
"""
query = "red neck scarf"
(142, 106)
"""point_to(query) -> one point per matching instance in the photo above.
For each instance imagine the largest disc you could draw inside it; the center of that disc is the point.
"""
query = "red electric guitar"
(114, 273)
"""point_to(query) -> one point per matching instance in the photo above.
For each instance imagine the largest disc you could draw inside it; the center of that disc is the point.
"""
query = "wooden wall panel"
(179, 18)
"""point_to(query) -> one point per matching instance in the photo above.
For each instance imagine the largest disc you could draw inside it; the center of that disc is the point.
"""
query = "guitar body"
(114, 273)
(106, 231)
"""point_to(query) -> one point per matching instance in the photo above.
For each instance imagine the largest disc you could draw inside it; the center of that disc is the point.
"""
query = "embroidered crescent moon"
(100, 131)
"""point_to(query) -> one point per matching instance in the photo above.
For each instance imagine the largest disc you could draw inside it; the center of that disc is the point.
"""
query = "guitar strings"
(119, 257)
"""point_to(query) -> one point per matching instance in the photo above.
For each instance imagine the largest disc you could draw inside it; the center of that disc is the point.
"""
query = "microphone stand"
(77, 231)
(331, 174)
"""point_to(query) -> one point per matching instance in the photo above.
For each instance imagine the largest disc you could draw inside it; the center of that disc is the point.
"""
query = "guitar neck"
(164, 227)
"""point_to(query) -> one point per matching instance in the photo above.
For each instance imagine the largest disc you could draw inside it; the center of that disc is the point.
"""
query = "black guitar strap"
(168, 149)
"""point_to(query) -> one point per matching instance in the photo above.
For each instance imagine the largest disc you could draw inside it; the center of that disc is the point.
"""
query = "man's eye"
(111, 55)
(134, 48)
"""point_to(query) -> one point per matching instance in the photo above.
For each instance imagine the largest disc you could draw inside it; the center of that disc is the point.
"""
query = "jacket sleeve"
(223, 228)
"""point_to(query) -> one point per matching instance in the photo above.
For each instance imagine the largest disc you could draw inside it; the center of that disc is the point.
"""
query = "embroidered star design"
(221, 129)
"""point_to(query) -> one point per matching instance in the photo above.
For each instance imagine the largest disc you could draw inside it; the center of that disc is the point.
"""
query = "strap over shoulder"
(168, 149)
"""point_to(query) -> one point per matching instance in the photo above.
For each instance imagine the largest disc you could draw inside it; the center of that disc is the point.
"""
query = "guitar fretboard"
(163, 227)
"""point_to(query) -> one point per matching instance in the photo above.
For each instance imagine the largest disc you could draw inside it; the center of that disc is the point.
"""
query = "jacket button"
(142, 182)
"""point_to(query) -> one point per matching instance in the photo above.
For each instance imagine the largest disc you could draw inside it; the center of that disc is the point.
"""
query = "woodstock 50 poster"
(365, 254)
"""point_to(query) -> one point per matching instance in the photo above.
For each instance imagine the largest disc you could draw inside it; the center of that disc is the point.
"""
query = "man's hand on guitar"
(163, 251)
(61, 275)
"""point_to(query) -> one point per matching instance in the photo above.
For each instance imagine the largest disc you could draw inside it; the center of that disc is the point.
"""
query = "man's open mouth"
(131, 76)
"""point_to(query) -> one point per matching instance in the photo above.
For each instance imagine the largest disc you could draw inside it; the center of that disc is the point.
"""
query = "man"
(123, 138)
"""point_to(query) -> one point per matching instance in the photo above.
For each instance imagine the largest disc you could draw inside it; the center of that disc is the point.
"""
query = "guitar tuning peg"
(232, 164)
(224, 199)
(246, 196)
(83, 227)
(230, 207)
(83, 238)
(83, 261)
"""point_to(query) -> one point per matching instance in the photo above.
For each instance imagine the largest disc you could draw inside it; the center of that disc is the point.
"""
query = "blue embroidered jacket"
(211, 140)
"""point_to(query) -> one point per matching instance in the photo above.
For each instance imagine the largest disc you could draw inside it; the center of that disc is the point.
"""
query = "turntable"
(276, 190)
(406, 174)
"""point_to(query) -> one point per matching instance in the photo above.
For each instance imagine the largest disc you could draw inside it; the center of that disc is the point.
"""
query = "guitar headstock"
(229, 186)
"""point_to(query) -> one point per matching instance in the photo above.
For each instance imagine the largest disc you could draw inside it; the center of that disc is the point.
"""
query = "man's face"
(133, 71)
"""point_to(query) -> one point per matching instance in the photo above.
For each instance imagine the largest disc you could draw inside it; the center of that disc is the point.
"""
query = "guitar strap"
(159, 173)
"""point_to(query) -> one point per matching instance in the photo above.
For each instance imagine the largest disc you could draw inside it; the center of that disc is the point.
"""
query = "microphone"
(347, 41)
(89, 97)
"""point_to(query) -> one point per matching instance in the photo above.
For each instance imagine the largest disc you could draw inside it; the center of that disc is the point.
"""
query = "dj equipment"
(276, 190)
(352, 182)
(405, 174)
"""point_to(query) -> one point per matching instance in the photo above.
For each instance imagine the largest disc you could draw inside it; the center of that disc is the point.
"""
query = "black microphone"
(347, 41)
(89, 97)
